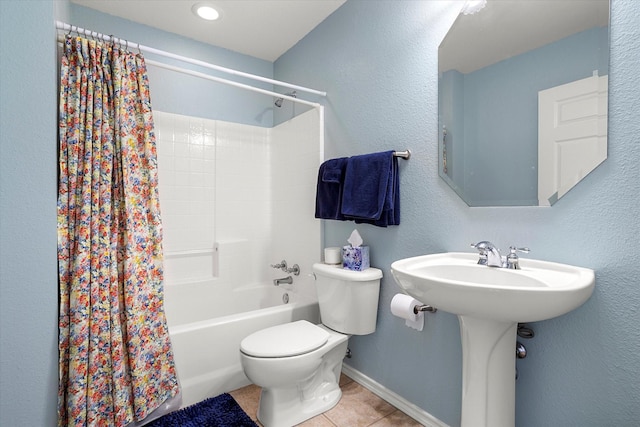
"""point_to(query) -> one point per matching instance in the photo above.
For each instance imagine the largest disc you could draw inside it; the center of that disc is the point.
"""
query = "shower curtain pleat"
(115, 358)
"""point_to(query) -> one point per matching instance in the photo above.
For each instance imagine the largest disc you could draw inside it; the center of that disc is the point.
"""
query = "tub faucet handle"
(282, 266)
(295, 269)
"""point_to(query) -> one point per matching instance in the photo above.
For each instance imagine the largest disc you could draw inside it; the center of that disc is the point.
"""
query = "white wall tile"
(236, 184)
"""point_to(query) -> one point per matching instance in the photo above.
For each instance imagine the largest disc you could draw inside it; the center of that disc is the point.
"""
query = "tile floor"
(358, 408)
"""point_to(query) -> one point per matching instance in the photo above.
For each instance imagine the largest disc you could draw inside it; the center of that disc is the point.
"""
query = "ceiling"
(506, 28)
(264, 29)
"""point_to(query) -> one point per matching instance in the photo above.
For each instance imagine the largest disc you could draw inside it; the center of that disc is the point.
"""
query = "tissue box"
(355, 258)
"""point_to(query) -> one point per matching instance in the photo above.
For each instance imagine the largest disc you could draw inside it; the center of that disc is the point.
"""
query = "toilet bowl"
(298, 364)
(296, 387)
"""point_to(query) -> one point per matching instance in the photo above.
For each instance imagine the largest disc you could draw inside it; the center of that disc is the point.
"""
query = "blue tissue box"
(356, 259)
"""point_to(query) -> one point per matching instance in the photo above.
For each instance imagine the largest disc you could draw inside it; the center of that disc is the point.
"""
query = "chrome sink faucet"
(490, 255)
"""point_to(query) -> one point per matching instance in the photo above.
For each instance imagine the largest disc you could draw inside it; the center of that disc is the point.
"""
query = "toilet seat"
(286, 340)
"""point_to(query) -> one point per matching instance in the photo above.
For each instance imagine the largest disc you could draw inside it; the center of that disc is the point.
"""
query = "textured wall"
(378, 63)
(377, 60)
(28, 263)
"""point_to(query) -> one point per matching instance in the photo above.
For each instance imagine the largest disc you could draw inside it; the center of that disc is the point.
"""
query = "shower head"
(278, 102)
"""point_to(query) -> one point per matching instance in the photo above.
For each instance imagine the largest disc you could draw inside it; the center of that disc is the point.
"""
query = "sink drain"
(285, 298)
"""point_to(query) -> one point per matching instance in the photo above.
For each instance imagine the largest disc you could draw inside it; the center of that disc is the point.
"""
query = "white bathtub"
(207, 321)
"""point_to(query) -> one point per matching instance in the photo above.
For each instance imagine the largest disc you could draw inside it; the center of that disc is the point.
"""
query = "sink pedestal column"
(488, 372)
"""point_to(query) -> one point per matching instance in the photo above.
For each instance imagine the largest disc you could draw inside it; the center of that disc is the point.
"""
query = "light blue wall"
(182, 94)
(28, 262)
(378, 63)
(377, 60)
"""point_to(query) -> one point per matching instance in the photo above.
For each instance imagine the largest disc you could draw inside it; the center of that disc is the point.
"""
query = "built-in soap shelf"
(190, 266)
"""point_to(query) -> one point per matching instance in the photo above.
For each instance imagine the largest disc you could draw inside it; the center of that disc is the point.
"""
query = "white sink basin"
(490, 302)
(454, 282)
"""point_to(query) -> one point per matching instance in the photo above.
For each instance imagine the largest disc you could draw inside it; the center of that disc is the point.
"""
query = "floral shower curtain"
(116, 362)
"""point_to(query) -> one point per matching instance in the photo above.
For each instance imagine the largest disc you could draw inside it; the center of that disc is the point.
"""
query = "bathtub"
(207, 321)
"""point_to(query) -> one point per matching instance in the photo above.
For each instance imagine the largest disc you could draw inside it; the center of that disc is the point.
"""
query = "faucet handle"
(513, 250)
(512, 258)
(282, 266)
(295, 269)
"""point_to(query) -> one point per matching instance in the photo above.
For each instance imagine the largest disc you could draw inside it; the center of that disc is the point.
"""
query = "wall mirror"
(523, 100)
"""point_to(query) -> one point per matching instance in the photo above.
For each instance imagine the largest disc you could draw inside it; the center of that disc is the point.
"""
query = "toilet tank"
(348, 299)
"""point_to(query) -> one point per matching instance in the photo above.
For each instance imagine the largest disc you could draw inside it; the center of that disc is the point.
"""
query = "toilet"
(298, 364)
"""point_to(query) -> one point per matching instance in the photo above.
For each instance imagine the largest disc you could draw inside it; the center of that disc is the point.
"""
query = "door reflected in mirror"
(523, 100)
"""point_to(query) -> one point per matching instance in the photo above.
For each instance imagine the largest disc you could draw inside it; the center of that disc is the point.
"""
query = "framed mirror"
(523, 100)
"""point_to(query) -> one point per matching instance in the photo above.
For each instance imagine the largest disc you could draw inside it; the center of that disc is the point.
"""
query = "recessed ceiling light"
(205, 11)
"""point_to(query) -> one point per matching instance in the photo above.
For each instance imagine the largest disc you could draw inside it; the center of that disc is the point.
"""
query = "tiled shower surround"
(236, 198)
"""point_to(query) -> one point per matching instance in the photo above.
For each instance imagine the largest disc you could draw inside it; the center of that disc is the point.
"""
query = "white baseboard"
(394, 399)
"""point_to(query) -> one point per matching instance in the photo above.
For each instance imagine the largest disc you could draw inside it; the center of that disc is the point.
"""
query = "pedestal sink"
(489, 303)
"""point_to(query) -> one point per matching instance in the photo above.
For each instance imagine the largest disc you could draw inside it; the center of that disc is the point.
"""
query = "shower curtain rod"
(229, 82)
(72, 28)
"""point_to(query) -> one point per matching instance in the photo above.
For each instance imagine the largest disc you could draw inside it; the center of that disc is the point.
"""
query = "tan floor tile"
(248, 398)
(344, 380)
(318, 421)
(358, 407)
(397, 419)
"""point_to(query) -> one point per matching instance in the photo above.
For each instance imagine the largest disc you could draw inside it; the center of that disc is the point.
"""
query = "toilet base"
(272, 414)
(293, 404)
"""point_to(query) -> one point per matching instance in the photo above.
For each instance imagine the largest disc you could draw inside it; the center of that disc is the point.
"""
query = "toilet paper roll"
(402, 306)
(333, 255)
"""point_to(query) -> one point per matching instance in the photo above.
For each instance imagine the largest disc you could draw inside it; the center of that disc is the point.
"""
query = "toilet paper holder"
(424, 307)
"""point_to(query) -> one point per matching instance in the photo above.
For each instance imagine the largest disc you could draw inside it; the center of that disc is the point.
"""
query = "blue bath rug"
(219, 411)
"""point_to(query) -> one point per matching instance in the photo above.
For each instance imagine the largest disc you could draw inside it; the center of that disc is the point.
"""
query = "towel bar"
(406, 154)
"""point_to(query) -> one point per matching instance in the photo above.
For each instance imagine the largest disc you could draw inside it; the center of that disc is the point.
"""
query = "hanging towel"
(371, 189)
(391, 212)
(329, 189)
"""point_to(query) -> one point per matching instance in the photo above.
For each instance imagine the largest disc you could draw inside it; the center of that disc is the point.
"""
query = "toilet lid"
(289, 339)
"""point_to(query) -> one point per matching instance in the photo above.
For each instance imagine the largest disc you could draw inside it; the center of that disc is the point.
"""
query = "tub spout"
(288, 280)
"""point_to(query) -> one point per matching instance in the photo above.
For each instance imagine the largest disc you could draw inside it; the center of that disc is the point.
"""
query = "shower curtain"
(115, 358)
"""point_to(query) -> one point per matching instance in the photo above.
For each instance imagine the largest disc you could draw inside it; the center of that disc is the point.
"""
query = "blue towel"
(371, 189)
(329, 189)
(391, 212)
